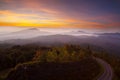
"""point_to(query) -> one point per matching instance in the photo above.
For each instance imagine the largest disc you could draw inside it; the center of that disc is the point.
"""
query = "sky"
(83, 14)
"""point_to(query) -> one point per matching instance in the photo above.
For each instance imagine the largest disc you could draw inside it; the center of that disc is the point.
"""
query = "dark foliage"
(113, 60)
(57, 71)
(9, 57)
(68, 62)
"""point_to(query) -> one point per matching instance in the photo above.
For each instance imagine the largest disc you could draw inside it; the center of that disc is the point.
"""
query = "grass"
(4, 73)
(57, 71)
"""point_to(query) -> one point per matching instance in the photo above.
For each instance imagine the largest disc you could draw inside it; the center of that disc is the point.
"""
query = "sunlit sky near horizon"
(83, 14)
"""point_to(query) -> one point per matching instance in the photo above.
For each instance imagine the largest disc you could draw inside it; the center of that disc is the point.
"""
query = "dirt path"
(108, 72)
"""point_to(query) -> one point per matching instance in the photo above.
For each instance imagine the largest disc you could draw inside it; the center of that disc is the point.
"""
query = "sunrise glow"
(59, 14)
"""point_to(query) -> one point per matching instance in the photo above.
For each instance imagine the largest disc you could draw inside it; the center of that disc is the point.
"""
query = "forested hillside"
(65, 62)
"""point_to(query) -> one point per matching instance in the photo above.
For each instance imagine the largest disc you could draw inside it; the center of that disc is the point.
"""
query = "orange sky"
(10, 18)
(55, 13)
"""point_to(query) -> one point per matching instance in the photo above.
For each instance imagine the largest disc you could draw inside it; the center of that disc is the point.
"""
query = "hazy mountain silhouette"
(23, 34)
(111, 33)
(108, 41)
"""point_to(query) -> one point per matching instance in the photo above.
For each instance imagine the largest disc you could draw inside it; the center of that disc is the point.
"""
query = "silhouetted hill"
(108, 41)
(23, 34)
(57, 71)
(111, 34)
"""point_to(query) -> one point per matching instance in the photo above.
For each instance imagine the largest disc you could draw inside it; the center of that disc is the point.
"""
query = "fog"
(7, 33)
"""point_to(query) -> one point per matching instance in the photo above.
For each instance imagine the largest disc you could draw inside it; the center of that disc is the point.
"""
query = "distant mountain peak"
(116, 33)
(82, 31)
(30, 29)
(33, 29)
(26, 31)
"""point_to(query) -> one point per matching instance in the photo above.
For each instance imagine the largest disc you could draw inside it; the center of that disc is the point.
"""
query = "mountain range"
(108, 41)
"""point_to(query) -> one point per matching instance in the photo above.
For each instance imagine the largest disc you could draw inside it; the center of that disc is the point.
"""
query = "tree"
(51, 56)
(88, 52)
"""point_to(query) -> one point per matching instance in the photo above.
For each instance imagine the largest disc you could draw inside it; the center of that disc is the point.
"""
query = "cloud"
(10, 13)
(61, 13)
(17, 19)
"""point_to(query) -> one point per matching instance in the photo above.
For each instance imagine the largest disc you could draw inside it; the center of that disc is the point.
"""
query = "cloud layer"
(102, 14)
